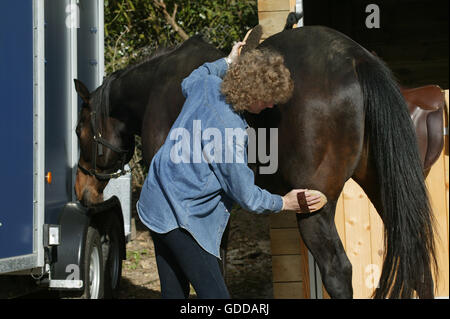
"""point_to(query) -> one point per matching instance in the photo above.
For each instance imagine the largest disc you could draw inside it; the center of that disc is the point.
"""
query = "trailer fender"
(66, 270)
(101, 215)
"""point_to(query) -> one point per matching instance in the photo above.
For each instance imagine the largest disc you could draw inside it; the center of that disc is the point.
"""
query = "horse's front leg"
(319, 233)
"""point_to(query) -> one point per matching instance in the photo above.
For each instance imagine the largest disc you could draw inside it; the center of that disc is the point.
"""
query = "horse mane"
(158, 52)
(101, 100)
(148, 58)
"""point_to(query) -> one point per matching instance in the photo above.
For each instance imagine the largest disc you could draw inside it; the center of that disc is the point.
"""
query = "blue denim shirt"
(191, 184)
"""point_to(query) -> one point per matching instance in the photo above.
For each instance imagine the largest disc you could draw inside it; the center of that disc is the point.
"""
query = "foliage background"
(134, 29)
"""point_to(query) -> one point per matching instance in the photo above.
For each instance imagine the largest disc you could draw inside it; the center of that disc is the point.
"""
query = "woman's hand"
(314, 199)
(235, 52)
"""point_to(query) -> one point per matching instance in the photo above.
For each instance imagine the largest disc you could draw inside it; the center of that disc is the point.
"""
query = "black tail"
(406, 213)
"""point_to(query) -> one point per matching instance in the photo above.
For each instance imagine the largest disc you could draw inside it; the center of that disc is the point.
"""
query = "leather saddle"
(426, 106)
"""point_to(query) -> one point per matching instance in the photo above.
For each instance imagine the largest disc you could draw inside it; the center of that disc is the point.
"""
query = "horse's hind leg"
(322, 239)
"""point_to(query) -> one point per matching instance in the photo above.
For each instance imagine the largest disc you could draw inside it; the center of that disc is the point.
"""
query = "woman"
(189, 190)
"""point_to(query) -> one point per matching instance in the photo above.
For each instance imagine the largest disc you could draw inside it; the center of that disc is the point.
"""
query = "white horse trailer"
(44, 231)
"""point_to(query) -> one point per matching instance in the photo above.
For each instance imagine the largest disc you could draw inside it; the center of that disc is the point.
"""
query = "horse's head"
(105, 144)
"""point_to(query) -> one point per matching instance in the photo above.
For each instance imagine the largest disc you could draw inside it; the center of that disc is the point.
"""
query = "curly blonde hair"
(259, 75)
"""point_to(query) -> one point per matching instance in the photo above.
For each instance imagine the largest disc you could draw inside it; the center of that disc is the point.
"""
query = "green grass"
(134, 257)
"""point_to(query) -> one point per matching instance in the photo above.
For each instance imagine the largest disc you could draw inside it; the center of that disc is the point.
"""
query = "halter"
(99, 142)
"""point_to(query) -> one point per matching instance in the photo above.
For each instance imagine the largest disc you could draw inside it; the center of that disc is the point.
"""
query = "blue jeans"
(181, 261)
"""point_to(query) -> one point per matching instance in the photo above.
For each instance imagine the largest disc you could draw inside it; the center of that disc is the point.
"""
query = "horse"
(346, 119)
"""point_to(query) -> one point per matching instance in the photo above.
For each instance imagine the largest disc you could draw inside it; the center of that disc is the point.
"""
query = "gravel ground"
(249, 268)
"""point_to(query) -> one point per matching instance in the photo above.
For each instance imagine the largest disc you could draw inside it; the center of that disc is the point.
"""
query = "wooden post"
(289, 258)
(272, 15)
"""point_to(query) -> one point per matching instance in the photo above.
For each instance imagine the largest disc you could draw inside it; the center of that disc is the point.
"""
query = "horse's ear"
(82, 90)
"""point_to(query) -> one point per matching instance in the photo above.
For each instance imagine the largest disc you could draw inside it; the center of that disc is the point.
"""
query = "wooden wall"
(358, 223)
(361, 231)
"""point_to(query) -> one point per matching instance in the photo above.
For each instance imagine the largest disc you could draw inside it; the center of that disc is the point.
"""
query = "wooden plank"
(274, 5)
(292, 8)
(446, 100)
(305, 270)
(357, 225)
(272, 22)
(374, 228)
(285, 241)
(446, 159)
(325, 294)
(287, 268)
(292, 5)
(438, 197)
(289, 290)
(284, 219)
(446, 191)
(339, 219)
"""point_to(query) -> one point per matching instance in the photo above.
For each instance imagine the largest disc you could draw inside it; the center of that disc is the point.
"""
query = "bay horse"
(346, 119)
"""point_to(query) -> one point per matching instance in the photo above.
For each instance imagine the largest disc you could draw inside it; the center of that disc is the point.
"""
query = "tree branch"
(115, 47)
(170, 18)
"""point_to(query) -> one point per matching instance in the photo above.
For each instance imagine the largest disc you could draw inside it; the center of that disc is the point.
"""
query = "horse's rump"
(321, 128)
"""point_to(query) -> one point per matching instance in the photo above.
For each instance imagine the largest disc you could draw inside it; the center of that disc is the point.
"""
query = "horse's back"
(316, 49)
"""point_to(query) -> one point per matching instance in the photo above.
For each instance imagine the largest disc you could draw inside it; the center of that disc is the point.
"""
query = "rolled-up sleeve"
(238, 182)
(217, 68)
